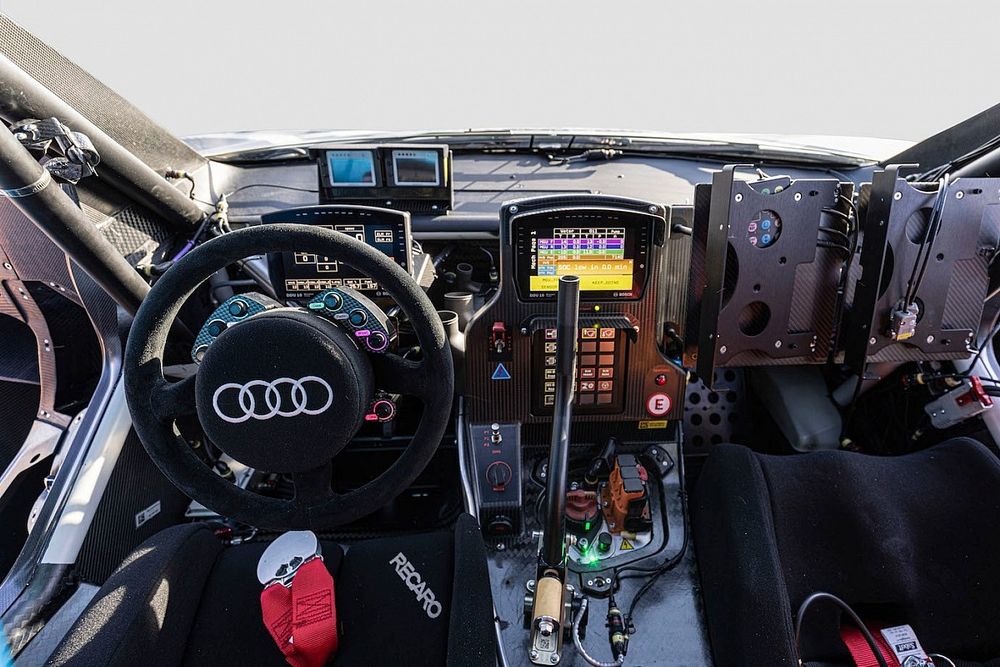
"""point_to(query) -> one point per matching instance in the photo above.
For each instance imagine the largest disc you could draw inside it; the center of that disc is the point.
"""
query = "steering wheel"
(284, 350)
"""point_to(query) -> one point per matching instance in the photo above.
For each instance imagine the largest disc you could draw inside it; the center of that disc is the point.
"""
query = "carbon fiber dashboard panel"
(132, 231)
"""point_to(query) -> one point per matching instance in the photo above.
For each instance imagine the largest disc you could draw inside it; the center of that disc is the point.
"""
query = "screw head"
(798, 196)
(653, 209)
(723, 349)
(739, 197)
(777, 344)
(8, 266)
(930, 339)
(872, 341)
(959, 194)
(513, 209)
(533, 654)
(898, 196)
(554, 658)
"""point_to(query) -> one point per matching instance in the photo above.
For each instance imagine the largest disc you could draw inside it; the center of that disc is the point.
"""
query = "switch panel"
(496, 467)
(600, 370)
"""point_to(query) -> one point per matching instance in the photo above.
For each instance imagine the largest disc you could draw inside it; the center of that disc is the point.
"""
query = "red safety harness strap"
(302, 619)
(861, 652)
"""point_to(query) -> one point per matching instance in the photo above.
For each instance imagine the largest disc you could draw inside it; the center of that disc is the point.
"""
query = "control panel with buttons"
(496, 453)
(232, 311)
(358, 315)
(352, 311)
(600, 364)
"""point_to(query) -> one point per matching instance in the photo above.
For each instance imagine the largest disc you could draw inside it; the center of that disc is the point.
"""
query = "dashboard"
(688, 270)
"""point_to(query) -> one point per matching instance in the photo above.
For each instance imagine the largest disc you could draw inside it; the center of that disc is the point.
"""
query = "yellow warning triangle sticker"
(626, 545)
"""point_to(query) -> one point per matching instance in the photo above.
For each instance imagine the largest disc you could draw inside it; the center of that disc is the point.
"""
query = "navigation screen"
(607, 253)
(302, 275)
(351, 168)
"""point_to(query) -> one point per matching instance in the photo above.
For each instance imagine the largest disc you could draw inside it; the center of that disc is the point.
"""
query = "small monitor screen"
(597, 256)
(416, 167)
(351, 168)
(607, 252)
(302, 275)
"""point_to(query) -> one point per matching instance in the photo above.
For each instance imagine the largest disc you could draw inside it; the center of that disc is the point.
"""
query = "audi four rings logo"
(301, 391)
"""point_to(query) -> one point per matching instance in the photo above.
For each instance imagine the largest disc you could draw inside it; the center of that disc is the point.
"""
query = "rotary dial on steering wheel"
(285, 389)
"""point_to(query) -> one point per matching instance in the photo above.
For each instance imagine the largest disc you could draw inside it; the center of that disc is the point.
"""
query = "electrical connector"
(903, 322)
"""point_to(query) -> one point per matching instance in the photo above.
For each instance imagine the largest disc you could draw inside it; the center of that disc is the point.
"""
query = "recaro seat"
(184, 598)
(911, 539)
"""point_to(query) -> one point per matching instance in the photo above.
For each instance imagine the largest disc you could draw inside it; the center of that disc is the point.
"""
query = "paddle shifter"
(549, 604)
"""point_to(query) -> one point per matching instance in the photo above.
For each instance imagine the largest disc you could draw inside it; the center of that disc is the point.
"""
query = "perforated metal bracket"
(769, 293)
(950, 296)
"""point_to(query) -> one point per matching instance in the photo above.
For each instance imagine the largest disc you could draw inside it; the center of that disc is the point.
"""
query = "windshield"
(226, 66)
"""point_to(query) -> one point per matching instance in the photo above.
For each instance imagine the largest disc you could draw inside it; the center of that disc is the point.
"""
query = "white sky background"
(883, 68)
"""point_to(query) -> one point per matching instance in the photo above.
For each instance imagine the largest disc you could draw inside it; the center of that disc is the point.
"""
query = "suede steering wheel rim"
(155, 403)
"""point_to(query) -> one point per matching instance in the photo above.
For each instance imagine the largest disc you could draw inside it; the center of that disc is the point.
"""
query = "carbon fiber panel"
(511, 400)
(18, 402)
(137, 503)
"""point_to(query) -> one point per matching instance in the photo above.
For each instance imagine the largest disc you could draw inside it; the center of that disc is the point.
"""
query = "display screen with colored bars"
(597, 256)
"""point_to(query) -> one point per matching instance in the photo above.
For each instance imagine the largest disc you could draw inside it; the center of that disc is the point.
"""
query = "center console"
(628, 394)
(615, 246)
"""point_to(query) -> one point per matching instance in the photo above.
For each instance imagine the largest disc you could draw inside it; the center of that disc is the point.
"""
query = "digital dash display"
(597, 256)
(302, 275)
(607, 253)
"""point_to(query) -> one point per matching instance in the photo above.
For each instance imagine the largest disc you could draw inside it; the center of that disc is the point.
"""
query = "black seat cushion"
(908, 539)
(184, 598)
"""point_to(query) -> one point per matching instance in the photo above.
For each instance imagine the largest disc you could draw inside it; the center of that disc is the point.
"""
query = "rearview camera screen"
(416, 167)
(351, 168)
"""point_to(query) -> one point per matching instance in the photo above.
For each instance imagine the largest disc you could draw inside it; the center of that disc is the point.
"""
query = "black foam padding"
(143, 373)
(909, 539)
(142, 615)
(471, 634)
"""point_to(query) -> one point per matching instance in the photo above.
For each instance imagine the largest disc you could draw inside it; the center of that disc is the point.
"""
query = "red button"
(660, 380)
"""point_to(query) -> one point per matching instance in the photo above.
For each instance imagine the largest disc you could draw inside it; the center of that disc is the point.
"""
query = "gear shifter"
(552, 600)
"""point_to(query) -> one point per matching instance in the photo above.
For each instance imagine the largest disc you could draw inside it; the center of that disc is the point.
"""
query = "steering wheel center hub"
(284, 391)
